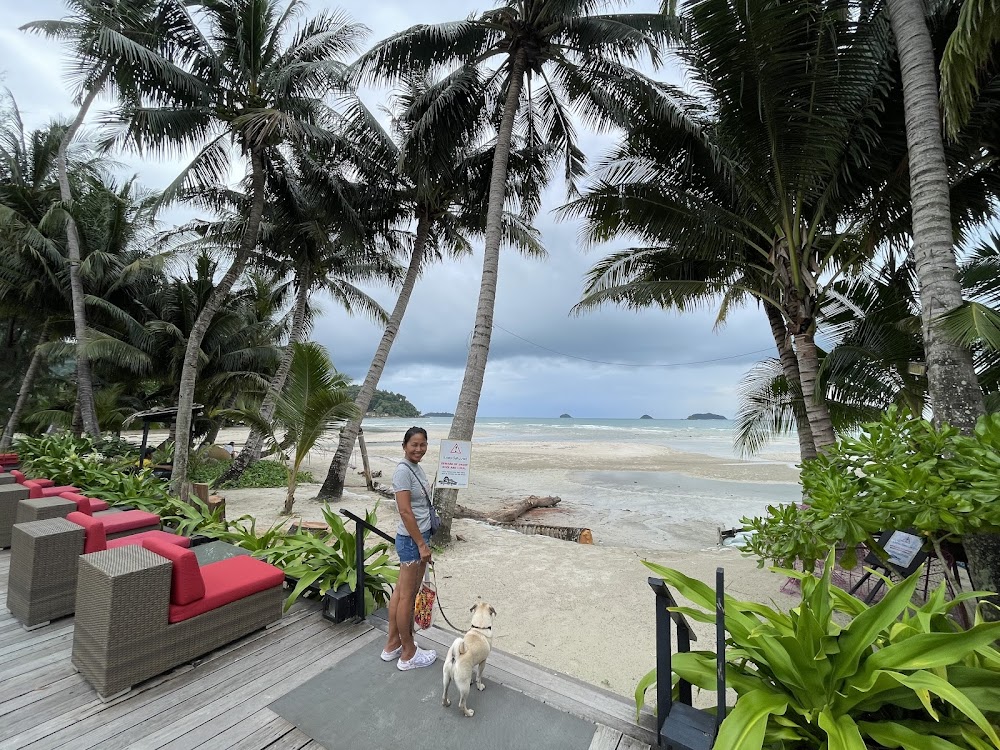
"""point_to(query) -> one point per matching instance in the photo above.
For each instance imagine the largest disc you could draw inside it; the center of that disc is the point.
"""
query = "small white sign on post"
(453, 464)
(902, 548)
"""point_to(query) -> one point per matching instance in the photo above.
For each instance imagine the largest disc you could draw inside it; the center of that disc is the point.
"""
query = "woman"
(413, 500)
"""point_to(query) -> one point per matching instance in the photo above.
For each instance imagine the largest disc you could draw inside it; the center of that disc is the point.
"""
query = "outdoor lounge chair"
(9, 461)
(42, 487)
(43, 563)
(141, 611)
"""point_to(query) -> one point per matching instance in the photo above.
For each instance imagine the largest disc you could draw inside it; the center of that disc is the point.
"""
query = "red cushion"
(163, 536)
(57, 491)
(186, 585)
(129, 520)
(88, 505)
(227, 581)
(94, 539)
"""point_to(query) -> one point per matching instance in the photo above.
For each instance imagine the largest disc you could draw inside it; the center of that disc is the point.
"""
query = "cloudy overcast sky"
(543, 361)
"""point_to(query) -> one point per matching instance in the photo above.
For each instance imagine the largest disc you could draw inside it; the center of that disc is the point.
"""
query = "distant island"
(565, 416)
(645, 416)
(707, 415)
(386, 404)
(438, 414)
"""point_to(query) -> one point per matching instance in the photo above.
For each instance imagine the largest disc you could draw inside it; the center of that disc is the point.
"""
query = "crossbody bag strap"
(416, 476)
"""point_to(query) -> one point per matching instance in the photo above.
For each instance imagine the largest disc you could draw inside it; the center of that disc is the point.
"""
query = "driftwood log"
(508, 513)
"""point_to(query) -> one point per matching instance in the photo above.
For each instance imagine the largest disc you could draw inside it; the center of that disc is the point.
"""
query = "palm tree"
(442, 181)
(115, 49)
(953, 386)
(574, 54)
(323, 226)
(964, 65)
(262, 90)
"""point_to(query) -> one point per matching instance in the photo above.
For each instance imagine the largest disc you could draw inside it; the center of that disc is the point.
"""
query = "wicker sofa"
(141, 611)
(43, 563)
(42, 487)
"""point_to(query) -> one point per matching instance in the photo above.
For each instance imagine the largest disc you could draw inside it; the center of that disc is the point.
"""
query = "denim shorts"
(407, 548)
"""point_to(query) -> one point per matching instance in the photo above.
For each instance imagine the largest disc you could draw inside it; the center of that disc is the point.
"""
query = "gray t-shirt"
(403, 479)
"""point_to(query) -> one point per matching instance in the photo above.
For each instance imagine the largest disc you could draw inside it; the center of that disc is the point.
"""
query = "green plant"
(900, 472)
(895, 675)
(259, 474)
(323, 562)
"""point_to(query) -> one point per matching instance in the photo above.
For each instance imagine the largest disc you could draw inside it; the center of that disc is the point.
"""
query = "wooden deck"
(221, 701)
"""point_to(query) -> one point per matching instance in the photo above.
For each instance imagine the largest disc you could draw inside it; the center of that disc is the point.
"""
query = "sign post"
(453, 464)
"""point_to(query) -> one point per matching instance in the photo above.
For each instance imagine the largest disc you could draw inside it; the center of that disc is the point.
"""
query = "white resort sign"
(453, 464)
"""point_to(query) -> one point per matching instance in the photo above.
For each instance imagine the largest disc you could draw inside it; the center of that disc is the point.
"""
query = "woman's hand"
(425, 552)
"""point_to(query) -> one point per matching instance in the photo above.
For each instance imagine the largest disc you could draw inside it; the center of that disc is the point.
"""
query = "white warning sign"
(453, 464)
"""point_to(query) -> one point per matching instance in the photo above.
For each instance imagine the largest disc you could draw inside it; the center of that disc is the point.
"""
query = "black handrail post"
(663, 665)
(720, 647)
(359, 591)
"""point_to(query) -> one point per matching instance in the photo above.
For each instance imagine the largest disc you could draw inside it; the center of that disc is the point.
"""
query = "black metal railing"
(359, 557)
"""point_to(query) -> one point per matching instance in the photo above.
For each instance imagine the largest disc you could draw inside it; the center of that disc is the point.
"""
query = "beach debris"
(508, 513)
(565, 533)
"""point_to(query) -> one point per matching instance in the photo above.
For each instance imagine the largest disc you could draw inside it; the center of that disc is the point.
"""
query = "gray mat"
(363, 702)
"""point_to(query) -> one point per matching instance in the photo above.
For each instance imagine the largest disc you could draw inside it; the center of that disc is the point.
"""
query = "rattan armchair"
(128, 626)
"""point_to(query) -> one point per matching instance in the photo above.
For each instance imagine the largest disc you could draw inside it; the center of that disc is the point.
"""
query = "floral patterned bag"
(423, 607)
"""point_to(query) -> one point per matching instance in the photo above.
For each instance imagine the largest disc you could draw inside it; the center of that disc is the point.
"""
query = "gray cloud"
(534, 297)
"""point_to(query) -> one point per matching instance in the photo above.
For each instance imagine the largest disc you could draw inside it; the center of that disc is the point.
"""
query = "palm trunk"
(333, 486)
(84, 383)
(464, 422)
(189, 371)
(252, 449)
(790, 366)
(22, 396)
(952, 384)
(290, 496)
(815, 405)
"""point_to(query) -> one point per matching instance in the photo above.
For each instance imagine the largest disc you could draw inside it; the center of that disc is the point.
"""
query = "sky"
(544, 361)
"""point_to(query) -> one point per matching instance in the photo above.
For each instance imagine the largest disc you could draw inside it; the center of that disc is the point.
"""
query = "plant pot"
(339, 605)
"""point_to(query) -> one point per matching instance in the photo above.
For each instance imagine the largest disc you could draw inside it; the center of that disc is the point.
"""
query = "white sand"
(584, 610)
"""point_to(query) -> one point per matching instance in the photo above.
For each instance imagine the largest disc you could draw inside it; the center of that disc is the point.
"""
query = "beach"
(584, 610)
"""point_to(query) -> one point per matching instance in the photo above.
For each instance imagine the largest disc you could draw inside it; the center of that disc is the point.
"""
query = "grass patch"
(261, 474)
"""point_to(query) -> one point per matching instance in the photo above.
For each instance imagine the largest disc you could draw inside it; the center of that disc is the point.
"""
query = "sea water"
(653, 509)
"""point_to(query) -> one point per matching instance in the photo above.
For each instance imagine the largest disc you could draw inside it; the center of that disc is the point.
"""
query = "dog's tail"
(458, 647)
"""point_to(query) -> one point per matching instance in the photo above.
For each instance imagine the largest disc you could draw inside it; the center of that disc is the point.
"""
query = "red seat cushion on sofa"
(186, 585)
(163, 536)
(129, 520)
(94, 539)
(21, 478)
(35, 492)
(227, 581)
(88, 505)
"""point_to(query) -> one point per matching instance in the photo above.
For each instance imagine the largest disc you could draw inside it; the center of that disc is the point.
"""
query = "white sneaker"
(390, 655)
(421, 658)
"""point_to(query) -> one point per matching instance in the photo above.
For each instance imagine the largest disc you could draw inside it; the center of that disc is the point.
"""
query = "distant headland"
(645, 416)
(706, 415)
(565, 416)
(438, 414)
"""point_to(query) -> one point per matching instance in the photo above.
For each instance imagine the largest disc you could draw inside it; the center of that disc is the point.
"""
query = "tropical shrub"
(894, 676)
(262, 473)
(320, 562)
(900, 472)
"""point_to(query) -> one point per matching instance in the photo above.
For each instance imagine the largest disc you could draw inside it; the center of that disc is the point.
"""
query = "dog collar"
(480, 627)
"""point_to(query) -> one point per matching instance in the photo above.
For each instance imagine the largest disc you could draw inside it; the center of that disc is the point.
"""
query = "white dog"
(466, 652)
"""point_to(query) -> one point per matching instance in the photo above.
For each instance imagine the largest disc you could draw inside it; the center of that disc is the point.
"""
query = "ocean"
(633, 508)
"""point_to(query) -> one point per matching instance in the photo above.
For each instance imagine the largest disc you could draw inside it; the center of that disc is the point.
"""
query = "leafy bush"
(259, 474)
(895, 676)
(900, 472)
(323, 562)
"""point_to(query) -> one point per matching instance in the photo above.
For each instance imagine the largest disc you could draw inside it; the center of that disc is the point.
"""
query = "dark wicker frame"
(10, 496)
(122, 636)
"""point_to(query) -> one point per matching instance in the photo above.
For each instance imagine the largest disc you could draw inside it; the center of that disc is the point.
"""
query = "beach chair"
(680, 726)
(44, 556)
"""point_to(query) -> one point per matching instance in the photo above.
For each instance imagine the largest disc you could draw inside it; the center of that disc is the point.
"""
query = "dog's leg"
(447, 680)
(463, 689)
(479, 675)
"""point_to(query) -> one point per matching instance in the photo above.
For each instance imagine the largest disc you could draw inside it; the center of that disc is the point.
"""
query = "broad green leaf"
(648, 680)
(743, 728)
(893, 734)
(945, 691)
(841, 731)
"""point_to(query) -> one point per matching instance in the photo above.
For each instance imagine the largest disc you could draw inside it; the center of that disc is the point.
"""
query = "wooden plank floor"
(221, 701)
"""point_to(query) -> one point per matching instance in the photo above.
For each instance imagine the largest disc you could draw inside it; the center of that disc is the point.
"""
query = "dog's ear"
(493, 612)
